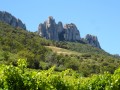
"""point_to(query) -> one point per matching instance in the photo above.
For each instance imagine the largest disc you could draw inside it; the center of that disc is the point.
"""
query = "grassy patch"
(62, 51)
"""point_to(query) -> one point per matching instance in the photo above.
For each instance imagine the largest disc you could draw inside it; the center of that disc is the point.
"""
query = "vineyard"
(22, 78)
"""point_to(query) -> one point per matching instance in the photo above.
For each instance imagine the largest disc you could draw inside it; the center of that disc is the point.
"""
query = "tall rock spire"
(53, 31)
(48, 29)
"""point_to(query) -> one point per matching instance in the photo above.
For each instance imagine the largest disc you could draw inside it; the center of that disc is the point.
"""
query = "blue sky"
(96, 17)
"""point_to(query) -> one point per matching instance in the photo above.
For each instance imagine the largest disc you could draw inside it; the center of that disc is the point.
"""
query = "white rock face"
(53, 31)
(71, 32)
(48, 29)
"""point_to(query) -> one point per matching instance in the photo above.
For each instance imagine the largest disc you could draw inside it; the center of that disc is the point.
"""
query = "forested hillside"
(17, 43)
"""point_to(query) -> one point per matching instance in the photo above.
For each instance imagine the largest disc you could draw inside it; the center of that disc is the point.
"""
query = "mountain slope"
(16, 43)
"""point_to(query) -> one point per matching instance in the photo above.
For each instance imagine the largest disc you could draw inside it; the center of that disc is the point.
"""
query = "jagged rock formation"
(69, 32)
(49, 29)
(53, 31)
(92, 40)
(11, 20)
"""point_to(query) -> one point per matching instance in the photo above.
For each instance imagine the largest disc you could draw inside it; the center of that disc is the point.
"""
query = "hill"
(17, 43)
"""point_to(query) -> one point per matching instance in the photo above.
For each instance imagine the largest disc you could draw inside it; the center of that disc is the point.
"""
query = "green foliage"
(73, 63)
(22, 64)
(85, 58)
(79, 47)
(16, 43)
(21, 44)
(21, 78)
(6, 55)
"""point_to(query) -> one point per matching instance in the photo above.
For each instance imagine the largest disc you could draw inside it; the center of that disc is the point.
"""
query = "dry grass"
(62, 51)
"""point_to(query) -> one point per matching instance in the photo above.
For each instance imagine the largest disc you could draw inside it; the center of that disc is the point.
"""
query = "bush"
(21, 78)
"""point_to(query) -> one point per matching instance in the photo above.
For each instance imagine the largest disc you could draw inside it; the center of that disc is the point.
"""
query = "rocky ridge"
(92, 40)
(50, 30)
(68, 32)
(11, 20)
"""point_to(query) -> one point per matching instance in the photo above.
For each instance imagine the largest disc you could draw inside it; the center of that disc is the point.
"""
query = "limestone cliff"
(71, 32)
(92, 40)
(68, 32)
(50, 30)
(11, 20)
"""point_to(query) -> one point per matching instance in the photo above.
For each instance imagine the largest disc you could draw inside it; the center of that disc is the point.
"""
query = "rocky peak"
(48, 29)
(70, 26)
(50, 19)
(71, 32)
(11, 20)
(60, 27)
(68, 32)
(50, 22)
(57, 32)
(92, 40)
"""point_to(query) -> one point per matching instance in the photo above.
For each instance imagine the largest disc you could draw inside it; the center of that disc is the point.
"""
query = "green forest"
(30, 62)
